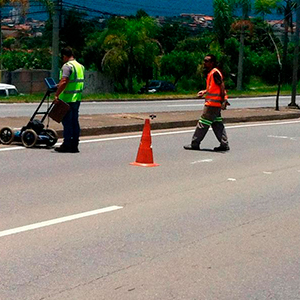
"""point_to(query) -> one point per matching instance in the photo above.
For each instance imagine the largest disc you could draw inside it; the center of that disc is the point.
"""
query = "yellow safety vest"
(74, 88)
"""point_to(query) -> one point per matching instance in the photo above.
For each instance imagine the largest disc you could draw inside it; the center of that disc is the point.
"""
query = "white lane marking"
(58, 220)
(179, 105)
(11, 149)
(282, 137)
(262, 124)
(168, 133)
(268, 173)
(201, 161)
(231, 179)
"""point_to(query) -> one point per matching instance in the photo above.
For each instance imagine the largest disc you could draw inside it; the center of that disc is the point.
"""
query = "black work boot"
(63, 148)
(222, 148)
(74, 146)
(191, 147)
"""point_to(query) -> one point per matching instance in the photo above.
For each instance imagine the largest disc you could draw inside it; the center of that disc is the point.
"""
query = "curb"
(93, 131)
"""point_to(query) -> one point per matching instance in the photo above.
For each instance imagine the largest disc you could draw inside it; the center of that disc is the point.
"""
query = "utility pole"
(1, 44)
(241, 59)
(55, 39)
(296, 59)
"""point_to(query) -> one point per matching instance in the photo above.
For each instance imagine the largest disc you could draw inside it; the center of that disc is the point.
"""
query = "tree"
(141, 13)
(130, 47)
(245, 5)
(264, 7)
(195, 44)
(75, 30)
(93, 51)
(179, 64)
(223, 19)
(286, 8)
(170, 34)
(24, 4)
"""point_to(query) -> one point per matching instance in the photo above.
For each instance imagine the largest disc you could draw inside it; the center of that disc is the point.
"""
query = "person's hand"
(224, 104)
(55, 101)
(200, 94)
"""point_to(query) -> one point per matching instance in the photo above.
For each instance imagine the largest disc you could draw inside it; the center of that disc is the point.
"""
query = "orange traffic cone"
(144, 156)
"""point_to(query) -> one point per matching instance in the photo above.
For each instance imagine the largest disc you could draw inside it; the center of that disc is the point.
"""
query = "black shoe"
(74, 150)
(190, 147)
(222, 148)
(63, 149)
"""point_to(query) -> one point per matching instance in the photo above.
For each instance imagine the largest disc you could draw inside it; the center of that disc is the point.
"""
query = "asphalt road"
(202, 225)
(27, 109)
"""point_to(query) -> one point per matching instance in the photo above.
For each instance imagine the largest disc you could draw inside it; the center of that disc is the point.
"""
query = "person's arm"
(222, 92)
(201, 93)
(220, 82)
(66, 73)
(61, 86)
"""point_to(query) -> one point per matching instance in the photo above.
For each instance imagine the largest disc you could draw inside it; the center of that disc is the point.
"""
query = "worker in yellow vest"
(215, 101)
(69, 90)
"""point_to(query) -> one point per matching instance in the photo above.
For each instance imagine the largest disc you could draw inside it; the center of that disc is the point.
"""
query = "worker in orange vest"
(215, 101)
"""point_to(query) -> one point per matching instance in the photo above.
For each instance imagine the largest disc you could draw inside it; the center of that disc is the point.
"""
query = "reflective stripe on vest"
(213, 94)
(74, 88)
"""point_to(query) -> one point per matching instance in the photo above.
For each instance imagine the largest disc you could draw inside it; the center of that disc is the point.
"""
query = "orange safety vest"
(213, 91)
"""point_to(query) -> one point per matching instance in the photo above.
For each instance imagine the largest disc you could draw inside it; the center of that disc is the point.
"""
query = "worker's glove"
(224, 104)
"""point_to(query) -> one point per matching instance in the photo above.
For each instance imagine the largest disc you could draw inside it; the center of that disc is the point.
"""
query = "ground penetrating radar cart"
(34, 133)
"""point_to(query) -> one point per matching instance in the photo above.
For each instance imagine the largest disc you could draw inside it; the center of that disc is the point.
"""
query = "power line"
(85, 8)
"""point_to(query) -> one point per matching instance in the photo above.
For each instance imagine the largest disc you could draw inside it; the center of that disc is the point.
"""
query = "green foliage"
(39, 59)
(75, 30)
(266, 66)
(170, 34)
(141, 13)
(195, 44)
(259, 40)
(265, 7)
(9, 42)
(93, 51)
(223, 10)
(134, 50)
(244, 5)
(130, 49)
(179, 64)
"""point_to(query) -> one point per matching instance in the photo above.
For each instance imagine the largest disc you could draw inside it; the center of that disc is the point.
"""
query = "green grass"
(99, 97)
(253, 90)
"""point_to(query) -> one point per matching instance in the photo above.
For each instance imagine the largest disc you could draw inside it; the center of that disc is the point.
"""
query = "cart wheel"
(29, 138)
(53, 137)
(6, 135)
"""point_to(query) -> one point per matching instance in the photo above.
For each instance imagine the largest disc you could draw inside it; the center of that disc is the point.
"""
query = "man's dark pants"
(71, 125)
(211, 116)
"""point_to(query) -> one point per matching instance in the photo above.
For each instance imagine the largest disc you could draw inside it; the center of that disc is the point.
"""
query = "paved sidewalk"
(118, 123)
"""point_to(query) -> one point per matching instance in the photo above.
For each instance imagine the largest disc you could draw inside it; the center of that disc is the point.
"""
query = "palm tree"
(264, 7)
(223, 19)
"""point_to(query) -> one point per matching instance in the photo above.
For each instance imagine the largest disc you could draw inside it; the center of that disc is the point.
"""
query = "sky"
(130, 7)
(152, 7)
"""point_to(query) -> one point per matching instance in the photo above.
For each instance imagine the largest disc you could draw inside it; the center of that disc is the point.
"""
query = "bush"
(38, 59)
(267, 67)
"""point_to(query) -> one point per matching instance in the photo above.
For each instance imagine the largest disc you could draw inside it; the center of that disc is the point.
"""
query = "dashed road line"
(231, 179)
(201, 161)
